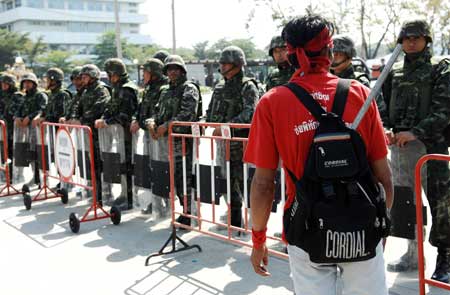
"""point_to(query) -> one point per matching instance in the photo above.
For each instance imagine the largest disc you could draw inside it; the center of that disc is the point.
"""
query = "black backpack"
(339, 214)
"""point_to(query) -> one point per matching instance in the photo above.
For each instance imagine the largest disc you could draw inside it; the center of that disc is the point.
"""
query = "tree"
(214, 51)
(34, 50)
(106, 48)
(56, 58)
(11, 44)
(200, 49)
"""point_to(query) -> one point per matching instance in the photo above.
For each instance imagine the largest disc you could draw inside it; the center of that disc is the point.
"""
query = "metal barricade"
(6, 188)
(419, 217)
(213, 180)
(72, 148)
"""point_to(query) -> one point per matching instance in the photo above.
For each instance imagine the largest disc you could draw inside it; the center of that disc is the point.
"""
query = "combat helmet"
(415, 28)
(91, 70)
(55, 74)
(276, 42)
(29, 77)
(161, 55)
(154, 65)
(76, 72)
(115, 66)
(174, 60)
(8, 79)
(233, 55)
(344, 44)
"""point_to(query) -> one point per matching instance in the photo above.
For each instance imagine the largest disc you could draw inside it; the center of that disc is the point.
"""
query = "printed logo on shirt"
(317, 95)
(306, 126)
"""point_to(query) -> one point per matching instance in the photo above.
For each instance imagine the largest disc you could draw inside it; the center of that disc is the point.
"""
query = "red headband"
(316, 44)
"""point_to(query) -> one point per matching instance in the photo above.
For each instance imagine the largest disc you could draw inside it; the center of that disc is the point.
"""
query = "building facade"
(74, 25)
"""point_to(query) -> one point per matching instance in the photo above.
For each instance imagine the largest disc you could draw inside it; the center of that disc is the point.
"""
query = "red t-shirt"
(283, 128)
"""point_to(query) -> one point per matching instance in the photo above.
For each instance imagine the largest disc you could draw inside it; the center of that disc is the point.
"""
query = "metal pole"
(375, 91)
(174, 39)
(116, 17)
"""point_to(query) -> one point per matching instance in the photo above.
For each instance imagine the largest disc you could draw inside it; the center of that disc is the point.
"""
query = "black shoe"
(184, 220)
(442, 266)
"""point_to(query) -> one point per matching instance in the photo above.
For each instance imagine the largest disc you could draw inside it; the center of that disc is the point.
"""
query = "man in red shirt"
(283, 128)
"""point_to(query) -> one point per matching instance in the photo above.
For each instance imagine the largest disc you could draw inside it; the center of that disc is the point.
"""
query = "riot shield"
(403, 212)
(160, 175)
(112, 152)
(46, 146)
(24, 155)
(142, 184)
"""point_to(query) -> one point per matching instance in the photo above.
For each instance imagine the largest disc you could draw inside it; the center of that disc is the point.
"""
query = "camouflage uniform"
(234, 101)
(150, 97)
(76, 93)
(119, 110)
(417, 93)
(284, 71)
(34, 103)
(59, 99)
(10, 101)
(89, 108)
(179, 101)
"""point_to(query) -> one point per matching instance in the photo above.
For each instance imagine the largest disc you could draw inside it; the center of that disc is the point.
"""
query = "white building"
(72, 25)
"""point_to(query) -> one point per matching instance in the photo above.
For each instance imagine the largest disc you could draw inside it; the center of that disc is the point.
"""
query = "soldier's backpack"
(339, 213)
(261, 90)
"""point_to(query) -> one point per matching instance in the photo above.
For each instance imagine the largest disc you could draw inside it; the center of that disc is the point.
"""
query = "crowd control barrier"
(418, 188)
(212, 178)
(6, 188)
(72, 149)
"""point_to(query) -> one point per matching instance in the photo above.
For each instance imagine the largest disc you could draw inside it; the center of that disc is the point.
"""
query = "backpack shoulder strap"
(340, 98)
(306, 99)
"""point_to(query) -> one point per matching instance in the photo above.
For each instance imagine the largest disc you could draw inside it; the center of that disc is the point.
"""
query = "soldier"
(178, 101)
(11, 99)
(33, 105)
(154, 79)
(59, 99)
(77, 84)
(233, 101)
(161, 55)
(89, 108)
(343, 52)
(119, 110)
(417, 93)
(284, 71)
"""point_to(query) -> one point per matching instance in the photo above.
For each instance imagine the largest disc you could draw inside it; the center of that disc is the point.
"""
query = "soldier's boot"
(407, 262)
(122, 201)
(442, 266)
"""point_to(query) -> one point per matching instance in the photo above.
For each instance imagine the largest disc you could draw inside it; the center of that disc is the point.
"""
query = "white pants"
(356, 278)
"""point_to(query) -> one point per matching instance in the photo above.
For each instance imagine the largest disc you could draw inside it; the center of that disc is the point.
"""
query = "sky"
(201, 20)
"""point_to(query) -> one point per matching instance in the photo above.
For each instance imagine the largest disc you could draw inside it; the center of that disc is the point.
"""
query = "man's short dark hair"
(301, 30)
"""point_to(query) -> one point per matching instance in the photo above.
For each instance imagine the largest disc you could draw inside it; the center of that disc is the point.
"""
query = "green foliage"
(200, 49)
(11, 44)
(56, 58)
(106, 48)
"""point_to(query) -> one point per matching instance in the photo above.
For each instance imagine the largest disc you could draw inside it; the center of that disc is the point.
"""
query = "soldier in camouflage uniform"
(284, 71)
(343, 52)
(89, 108)
(119, 110)
(33, 105)
(233, 101)
(59, 99)
(11, 99)
(417, 93)
(178, 101)
(154, 79)
(77, 84)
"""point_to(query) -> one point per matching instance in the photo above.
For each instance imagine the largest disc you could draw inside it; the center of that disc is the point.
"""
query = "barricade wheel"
(25, 189)
(27, 201)
(64, 195)
(74, 223)
(115, 215)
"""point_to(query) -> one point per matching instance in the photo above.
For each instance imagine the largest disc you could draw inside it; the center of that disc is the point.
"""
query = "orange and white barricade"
(419, 216)
(72, 148)
(211, 179)
(6, 188)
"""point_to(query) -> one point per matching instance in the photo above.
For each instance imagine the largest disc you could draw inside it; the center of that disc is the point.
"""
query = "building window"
(76, 5)
(9, 5)
(35, 3)
(56, 4)
(56, 24)
(76, 27)
(37, 23)
(18, 3)
(109, 6)
(95, 6)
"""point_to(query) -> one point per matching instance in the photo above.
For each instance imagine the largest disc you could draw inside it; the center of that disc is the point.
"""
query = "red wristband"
(258, 238)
